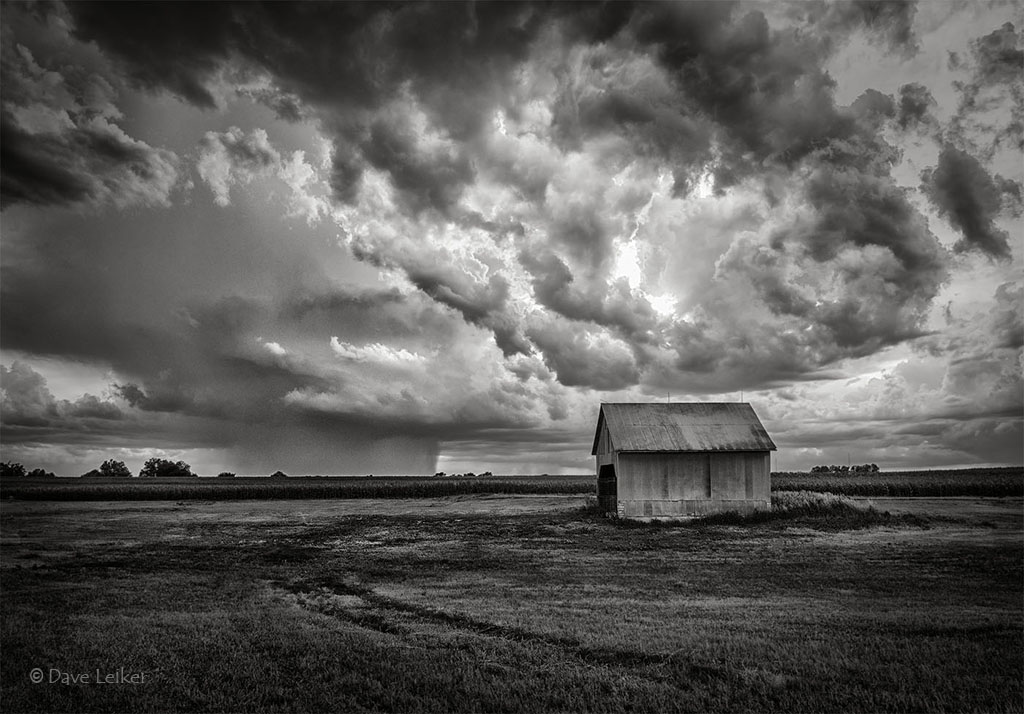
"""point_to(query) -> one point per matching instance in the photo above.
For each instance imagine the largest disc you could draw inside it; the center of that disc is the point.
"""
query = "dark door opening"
(607, 489)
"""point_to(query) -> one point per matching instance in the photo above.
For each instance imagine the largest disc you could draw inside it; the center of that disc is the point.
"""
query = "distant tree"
(486, 474)
(95, 473)
(115, 469)
(225, 474)
(440, 474)
(279, 474)
(162, 468)
(40, 473)
(856, 469)
(10, 469)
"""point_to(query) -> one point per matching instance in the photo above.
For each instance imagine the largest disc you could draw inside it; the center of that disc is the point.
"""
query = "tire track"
(325, 598)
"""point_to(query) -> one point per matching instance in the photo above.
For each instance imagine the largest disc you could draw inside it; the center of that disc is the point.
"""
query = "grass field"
(510, 603)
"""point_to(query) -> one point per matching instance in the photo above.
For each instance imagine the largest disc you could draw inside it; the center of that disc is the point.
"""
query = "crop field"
(963, 482)
(237, 488)
(509, 602)
(993, 482)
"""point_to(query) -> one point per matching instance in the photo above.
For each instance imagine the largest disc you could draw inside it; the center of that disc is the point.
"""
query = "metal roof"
(683, 426)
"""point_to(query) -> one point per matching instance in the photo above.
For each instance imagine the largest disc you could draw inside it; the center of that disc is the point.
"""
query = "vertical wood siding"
(666, 484)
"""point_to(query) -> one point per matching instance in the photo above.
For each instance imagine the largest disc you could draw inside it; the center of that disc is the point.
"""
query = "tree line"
(112, 468)
(855, 469)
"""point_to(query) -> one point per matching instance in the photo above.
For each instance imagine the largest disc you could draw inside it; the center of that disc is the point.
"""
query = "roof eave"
(690, 451)
(597, 432)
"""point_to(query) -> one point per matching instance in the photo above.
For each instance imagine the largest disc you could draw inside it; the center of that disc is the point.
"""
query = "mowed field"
(508, 602)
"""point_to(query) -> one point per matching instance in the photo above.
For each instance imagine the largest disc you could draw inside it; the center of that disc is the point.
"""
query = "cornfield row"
(239, 489)
(975, 482)
(968, 482)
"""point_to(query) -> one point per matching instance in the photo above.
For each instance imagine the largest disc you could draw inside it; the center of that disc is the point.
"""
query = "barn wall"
(674, 484)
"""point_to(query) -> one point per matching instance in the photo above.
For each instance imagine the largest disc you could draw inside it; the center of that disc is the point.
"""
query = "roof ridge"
(683, 426)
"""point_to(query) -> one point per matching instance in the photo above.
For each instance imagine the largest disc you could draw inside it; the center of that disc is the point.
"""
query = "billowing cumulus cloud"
(29, 407)
(543, 206)
(233, 157)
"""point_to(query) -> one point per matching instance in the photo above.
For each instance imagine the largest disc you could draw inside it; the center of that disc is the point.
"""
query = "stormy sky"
(397, 238)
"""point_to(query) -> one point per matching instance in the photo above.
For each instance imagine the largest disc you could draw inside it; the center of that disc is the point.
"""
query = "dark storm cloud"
(366, 316)
(59, 138)
(171, 362)
(579, 361)
(607, 106)
(613, 306)
(988, 440)
(458, 59)
(873, 108)
(761, 93)
(999, 59)
(964, 192)
(425, 179)
(343, 59)
(90, 406)
(482, 304)
(915, 105)
(377, 310)
(88, 165)
(996, 66)
(721, 74)
(764, 90)
(886, 264)
(861, 210)
(76, 329)
(175, 46)
(608, 94)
